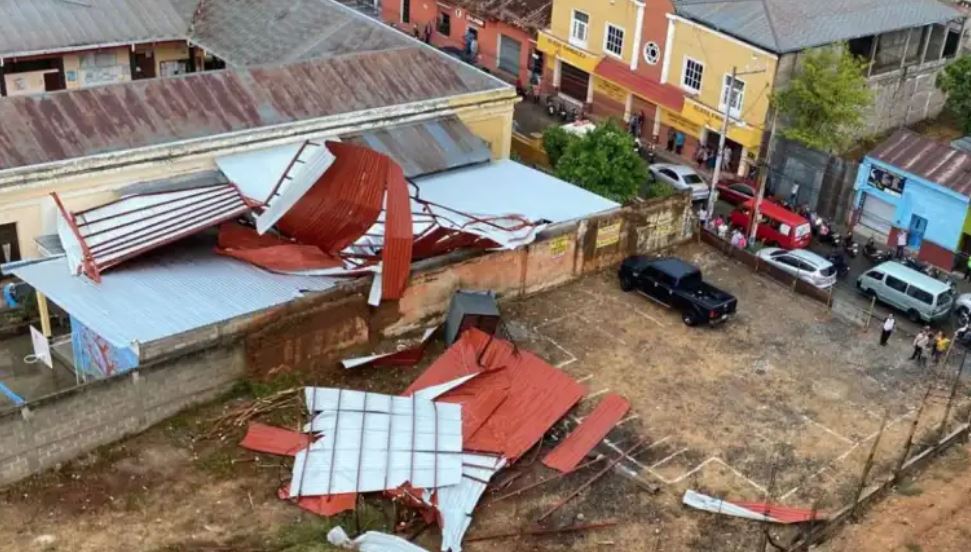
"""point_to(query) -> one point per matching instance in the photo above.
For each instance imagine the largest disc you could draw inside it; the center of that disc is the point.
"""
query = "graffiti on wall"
(95, 357)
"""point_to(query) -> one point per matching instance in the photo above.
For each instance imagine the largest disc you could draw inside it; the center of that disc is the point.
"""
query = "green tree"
(955, 81)
(555, 141)
(823, 105)
(603, 161)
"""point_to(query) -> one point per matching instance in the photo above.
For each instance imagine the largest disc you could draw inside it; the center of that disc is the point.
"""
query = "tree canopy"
(602, 161)
(955, 81)
(823, 105)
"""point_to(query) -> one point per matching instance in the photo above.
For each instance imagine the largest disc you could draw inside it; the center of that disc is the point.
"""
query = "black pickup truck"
(678, 285)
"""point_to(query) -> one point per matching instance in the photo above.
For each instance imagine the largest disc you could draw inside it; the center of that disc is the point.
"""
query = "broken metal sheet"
(374, 295)
(256, 172)
(538, 395)
(372, 541)
(404, 357)
(756, 511)
(274, 440)
(434, 391)
(305, 169)
(375, 442)
(595, 426)
(456, 502)
(327, 506)
(104, 236)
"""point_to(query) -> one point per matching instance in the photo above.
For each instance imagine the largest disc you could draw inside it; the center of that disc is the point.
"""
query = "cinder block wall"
(64, 426)
(312, 333)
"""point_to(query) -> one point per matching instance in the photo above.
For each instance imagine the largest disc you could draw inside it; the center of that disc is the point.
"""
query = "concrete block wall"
(65, 426)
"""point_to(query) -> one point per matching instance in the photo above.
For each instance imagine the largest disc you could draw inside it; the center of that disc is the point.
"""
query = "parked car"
(915, 293)
(735, 191)
(805, 265)
(778, 226)
(681, 177)
(678, 285)
(962, 308)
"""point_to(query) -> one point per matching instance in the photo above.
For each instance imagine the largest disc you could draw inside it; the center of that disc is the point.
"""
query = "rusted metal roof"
(529, 15)
(254, 32)
(78, 123)
(929, 159)
(427, 147)
(594, 427)
(39, 26)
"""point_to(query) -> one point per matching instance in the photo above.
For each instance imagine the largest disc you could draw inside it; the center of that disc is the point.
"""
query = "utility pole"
(730, 101)
(763, 179)
(716, 174)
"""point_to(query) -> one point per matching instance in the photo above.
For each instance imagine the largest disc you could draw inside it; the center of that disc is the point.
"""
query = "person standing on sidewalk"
(920, 343)
(967, 269)
(901, 244)
(888, 325)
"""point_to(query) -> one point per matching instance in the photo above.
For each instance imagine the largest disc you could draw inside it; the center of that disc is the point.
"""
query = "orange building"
(498, 37)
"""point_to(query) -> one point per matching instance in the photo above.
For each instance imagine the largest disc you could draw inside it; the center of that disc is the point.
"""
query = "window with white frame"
(614, 40)
(580, 28)
(735, 99)
(692, 74)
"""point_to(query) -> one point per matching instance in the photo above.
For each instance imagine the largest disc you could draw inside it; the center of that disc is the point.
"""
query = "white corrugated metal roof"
(504, 187)
(374, 442)
(174, 290)
(37, 26)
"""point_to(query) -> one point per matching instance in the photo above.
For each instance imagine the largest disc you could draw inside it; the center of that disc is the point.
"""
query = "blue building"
(913, 184)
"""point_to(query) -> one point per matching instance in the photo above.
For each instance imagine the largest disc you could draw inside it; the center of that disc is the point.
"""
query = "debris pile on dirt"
(437, 446)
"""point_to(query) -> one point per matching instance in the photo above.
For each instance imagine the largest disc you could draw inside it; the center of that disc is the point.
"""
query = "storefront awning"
(620, 74)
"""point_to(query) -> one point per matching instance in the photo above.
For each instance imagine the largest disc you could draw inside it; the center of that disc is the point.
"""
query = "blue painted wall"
(944, 209)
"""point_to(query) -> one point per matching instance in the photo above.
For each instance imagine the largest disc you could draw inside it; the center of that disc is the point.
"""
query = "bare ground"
(782, 388)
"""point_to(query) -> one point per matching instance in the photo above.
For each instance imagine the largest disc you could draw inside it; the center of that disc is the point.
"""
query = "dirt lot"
(782, 385)
(931, 513)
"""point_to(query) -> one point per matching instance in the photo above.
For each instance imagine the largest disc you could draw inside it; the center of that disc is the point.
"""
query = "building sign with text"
(886, 181)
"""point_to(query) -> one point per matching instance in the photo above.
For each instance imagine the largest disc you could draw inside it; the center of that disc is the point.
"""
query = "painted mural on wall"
(95, 357)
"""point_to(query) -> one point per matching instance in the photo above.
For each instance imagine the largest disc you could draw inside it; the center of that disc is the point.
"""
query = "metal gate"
(877, 214)
(574, 82)
(510, 51)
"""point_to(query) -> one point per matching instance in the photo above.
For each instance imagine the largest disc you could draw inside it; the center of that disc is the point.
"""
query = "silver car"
(682, 178)
(805, 265)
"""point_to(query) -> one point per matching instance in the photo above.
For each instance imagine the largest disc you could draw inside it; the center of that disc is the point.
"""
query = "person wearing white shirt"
(888, 326)
(901, 244)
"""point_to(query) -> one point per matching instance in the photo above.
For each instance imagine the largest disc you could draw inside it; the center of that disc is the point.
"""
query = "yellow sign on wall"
(609, 89)
(676, 120)
(608, 235)
(576, 57)
(559, 245)
(704, 116)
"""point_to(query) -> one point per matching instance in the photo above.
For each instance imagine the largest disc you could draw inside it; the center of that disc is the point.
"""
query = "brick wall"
(314, 332)
(66, 425)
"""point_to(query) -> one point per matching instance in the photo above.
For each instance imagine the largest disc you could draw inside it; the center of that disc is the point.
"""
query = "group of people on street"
(708, 157)
(927, 343)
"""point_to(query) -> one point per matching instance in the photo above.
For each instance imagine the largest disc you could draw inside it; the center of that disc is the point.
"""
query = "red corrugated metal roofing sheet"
(568, 454)
(665, 95)
(328, 505)
(274, 440)
(538, 396)
(269, 251)
(782, 514)
(343, 204)
(398, 233)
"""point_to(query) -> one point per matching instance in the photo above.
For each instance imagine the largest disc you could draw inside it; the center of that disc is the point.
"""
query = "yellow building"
(700, 61)
(607, 56)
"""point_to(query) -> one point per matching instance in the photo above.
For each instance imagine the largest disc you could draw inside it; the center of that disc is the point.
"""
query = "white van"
(913, 292)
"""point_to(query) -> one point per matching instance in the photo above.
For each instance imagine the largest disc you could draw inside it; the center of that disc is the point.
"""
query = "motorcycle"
(839, 263)
(850, 247)
(551, 108)
(874, 253)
